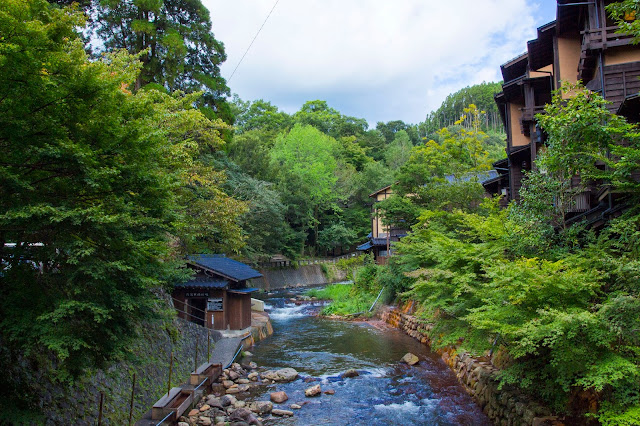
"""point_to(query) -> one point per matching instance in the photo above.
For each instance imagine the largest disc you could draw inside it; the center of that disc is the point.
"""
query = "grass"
(344, 300)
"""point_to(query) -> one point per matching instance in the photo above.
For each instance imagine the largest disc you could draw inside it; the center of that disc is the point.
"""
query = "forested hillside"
(317, 167)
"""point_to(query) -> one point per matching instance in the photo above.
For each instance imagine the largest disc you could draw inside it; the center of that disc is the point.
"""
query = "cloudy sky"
(375, 59)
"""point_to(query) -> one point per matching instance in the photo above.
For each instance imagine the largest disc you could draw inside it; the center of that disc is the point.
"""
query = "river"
(386, 392)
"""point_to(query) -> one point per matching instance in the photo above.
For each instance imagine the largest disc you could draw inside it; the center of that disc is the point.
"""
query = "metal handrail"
(234, 357)
(165, 418)
(202, 383)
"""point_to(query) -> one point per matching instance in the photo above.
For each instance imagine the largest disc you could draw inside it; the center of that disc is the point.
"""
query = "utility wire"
(254, 39)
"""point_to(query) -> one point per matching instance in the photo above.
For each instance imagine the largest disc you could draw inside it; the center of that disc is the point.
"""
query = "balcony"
(603, 38)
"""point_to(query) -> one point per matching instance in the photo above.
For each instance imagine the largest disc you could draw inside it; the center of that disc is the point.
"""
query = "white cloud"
(375, 59)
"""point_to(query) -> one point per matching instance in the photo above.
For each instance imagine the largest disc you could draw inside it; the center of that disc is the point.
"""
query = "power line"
(252, 41)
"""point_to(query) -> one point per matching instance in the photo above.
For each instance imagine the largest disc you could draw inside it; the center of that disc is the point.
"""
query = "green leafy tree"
(267, 233)
(259, 115)
(398, 151)
(251, 151)
(176, 46)
(101, 191)
(391, 129)
(328, 120)
(305, 159)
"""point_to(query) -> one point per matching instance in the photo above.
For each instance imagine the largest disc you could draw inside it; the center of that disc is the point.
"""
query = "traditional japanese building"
(382, 237)
(218, 296)
(580, 45)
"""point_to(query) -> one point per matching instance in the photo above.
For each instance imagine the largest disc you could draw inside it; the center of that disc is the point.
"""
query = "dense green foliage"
(560, 304)
(103, 191)
(323, 166)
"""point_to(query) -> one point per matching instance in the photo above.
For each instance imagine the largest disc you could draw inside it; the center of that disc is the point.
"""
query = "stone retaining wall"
(505, 407)
(285, 277)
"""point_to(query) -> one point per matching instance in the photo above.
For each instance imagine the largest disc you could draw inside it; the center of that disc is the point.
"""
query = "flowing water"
(386, 392)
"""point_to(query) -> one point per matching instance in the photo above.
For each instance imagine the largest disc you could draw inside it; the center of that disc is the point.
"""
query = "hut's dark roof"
(225, 267)
(204, 283)
(243, 290)
(365, 246)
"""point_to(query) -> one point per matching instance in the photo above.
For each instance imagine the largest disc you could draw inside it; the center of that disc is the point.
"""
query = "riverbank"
(505, 406)
(383, 390)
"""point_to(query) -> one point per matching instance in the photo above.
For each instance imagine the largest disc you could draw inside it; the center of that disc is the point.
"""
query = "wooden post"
(133, 390)
(208, 345)
(195, 357)
(100, 409)
(170, 371)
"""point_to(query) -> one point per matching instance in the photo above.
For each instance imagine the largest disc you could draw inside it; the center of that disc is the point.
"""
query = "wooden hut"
(218, 296)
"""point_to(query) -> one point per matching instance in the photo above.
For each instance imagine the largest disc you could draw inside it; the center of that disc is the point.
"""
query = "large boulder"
(410, 359)
(282, 375)
(313, 391)
(279, 397)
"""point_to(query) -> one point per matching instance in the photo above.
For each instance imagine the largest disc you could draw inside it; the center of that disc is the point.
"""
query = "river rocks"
(350, 373)
(240, 414)
(295, 406)
(329, 392)
(253, 376)
(204, 421)
(214, 402)
(232, 391)
(281, 413)
(233, 375)
(282, 375)
(279, 397)
(228, 400)
(193, 412)
(506, 406)
(313, 391)
(205, 407)
(183, 424)
(243, 381)
(261, 407)
(410, 359)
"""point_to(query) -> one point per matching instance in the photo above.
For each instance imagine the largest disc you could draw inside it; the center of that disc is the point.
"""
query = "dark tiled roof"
(379, 241)
(243, 290)
(201, 283)
(223, 266)
(365, 246)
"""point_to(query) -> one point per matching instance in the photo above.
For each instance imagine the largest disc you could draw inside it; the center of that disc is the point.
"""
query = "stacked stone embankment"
(506, 406)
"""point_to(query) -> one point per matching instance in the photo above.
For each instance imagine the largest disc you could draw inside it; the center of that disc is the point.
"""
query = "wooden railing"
(302, 262)
(601, 38)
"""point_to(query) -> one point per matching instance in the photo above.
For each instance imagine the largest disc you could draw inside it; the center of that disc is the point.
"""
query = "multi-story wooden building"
(382, 237)
(580, 45)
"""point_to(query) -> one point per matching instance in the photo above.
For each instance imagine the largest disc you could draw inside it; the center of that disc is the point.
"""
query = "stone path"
(224, 350)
